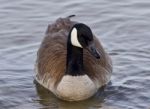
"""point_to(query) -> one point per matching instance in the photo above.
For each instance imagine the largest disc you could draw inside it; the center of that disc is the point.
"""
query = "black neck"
(74, 60)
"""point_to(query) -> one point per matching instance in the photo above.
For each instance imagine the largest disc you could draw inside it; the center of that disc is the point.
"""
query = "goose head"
(81, 36)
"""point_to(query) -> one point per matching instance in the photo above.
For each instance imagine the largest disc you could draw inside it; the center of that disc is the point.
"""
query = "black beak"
(92, 49)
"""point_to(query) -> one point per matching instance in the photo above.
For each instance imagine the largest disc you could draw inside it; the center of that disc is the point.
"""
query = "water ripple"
(121, 26)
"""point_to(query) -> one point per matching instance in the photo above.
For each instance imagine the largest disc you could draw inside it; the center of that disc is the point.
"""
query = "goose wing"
(51, 56)
(98, 69)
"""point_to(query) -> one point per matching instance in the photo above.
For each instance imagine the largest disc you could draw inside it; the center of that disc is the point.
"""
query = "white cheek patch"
(74, 38)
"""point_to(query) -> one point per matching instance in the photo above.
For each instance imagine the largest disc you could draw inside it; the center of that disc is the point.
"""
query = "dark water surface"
(123, 26)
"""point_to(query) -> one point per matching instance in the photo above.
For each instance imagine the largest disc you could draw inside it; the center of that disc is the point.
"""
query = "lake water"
(123, 27)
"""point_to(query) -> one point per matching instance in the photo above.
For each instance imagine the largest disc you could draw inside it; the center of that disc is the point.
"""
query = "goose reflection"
(49, 101)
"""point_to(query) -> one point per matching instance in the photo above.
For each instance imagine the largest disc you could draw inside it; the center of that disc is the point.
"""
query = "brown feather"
(51, 58)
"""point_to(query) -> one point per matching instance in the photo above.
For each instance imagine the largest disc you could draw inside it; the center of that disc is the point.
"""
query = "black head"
(82, 36)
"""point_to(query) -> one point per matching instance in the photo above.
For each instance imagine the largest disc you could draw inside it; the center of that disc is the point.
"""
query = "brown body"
(51, 57)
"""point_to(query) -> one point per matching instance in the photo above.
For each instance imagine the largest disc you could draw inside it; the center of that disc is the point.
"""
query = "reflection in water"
(49, 100)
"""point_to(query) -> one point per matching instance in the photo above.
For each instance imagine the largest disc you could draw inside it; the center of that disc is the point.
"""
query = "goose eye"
(84, 42)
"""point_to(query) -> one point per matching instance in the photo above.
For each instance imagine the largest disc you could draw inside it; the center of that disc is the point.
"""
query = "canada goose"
(71, 62)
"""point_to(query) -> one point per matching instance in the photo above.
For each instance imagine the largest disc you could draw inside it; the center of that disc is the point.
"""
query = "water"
(123, 28)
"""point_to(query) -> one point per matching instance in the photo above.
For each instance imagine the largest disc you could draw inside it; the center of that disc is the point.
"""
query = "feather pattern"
(51, 57)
